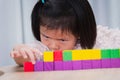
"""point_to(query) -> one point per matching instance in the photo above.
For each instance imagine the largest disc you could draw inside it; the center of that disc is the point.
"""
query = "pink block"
(115, 63)
(58, 65)
(77, 65)
(67, 65)
(87, 64)
(96, 64)
(38, 66)
(106, 63)
(48, 66)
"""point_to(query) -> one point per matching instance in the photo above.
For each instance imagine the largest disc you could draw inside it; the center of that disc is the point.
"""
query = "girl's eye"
(62, 40)
(46, 36)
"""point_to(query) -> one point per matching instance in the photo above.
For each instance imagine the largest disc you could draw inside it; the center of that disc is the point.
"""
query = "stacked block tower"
(76, 60)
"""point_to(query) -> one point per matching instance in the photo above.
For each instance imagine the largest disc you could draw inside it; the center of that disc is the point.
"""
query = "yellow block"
(48, 56)
(77, 55)
(87, 54)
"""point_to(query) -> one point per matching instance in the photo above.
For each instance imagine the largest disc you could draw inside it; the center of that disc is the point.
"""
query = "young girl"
(64, 25)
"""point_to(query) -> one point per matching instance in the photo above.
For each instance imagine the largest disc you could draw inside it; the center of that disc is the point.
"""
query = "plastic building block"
(48, 56)
(106, 53)
(77, 65)
(38, 66)
(67, 65)
(86, 64)
(90, 54)
(48, 66)
(58, 55)
(28, 67)
(96, 64)
(115, 53)
(77, 55)
(67, 55)
(106, 63)
(58, 65)
(115, 63)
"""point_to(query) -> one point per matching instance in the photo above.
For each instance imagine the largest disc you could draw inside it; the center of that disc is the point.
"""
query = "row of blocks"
(76, 60)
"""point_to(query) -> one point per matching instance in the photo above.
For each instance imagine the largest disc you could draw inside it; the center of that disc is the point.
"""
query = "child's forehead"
(60, 31)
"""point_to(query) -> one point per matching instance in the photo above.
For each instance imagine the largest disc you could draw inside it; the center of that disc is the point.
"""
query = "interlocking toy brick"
(115, 63)
(67, 65)
(87, 64)
(48, 56)
(76, 60)
(115, 53)
(106, 63)
(67, 55)
(77, 65)
(77, 55)
(38, 66)
(58, 65)
(106, 53)
(28, 67)
(96, 64)
(58, 55)
(89, 54)
(48, 66)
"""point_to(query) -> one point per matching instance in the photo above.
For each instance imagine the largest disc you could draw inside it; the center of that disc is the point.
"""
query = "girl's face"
(56, 40)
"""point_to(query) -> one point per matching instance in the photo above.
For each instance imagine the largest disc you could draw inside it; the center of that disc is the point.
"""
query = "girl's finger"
(31, 55)
(23, 53)
(14, 54)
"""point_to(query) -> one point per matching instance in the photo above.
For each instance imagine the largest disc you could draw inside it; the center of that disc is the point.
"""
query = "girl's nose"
(53, 45)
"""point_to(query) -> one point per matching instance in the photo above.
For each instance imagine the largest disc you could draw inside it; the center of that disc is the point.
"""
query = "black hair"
(75, 16)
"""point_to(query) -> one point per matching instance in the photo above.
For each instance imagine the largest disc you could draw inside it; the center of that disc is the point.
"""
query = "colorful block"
(67, 55)
(48, 56)
(86, 64)
(77, 65)
(115, 63)
(106, 53)
(38, 66)
(91, 54)
(67, 65)
(96, 64)
(106, 63)
(58, 65)
(48, 66)
(58, 55)
(76, 60)
(77, 55)
(115, 53)
(28, 67)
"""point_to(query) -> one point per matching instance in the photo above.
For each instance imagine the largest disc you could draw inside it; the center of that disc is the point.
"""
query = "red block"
(28, 67)
(58, 55)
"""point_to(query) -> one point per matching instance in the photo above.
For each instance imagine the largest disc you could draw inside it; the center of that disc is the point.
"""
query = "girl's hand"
(25, 52)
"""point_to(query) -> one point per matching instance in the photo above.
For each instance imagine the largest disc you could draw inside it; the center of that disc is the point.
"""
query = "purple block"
(77, 65)
(115, 63)
(48, 66)
(87, 64)
(96, 64)
(67, 65)
(58, 65)
(38, 66)
(106, 63)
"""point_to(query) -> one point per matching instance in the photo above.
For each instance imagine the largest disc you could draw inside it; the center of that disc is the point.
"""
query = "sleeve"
(38, 45)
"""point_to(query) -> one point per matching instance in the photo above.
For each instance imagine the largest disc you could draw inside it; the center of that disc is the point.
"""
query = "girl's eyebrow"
(50, 37)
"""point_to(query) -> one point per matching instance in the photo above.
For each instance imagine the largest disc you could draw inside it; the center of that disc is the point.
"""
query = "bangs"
(66, 24)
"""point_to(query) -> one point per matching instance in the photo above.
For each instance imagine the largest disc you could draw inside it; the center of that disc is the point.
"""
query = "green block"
(67, 55)
(119, 52)
(105, 53)
(115, 53)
